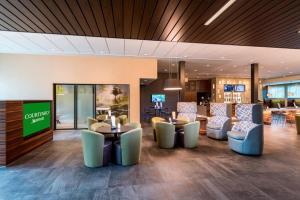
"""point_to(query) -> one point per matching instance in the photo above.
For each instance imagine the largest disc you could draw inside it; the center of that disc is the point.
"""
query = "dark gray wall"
(156, 87)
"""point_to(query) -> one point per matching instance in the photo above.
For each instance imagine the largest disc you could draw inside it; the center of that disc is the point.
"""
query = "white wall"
(31, 77)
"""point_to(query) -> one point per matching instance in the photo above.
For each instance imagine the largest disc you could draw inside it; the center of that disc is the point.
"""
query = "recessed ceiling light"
(185, 56)
(195, 70)
(145, 54)
(291, 72)
(217, 14)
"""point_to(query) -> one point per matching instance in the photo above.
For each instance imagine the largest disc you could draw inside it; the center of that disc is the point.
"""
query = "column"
(254, 83)
(181, 71)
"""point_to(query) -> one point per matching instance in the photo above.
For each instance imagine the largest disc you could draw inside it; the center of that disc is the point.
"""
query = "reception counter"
(24, 126)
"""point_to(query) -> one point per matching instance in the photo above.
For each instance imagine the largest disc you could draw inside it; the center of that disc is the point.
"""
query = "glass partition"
(65, 111)
(85, 104)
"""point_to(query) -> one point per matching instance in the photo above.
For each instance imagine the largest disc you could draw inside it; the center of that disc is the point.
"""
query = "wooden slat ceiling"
(265, 23)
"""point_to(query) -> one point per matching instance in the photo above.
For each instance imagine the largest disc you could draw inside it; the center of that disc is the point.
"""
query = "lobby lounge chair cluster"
(101, 149)
(244, 136)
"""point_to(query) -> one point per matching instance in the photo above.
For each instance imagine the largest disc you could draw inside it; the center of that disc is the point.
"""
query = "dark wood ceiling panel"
(28, 13)
(98, 14)
(253, 23)
(39, 15)
(157, 15)
(73, 16)
(191, 21)
(61, 12)
(169, 11)
(76, 11)
(128, 12)
(180, 10)
(117, 6)
(109, 17)
(49, 16)
(9, 24)
(262, 11)
(220, 24)
(138, 12)
(15, 20)
(192, 8)
(86, 14)
(198, 26)
(146, 18)
(289, 20)
(4, 26)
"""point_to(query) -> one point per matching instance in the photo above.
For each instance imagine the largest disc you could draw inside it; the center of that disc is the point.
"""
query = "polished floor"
(211, 171)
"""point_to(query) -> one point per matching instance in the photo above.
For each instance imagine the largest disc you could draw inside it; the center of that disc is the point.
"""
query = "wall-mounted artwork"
(113, 97)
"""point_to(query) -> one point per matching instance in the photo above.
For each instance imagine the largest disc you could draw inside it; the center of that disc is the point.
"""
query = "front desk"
(24, 126)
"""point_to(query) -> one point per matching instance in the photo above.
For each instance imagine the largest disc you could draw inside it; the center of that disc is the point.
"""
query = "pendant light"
(172, 84)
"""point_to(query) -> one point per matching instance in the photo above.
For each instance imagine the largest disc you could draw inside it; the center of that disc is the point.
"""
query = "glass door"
(85, 104)
(64, 109)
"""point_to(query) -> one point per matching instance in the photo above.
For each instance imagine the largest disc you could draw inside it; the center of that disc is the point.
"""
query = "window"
(294, 90)
(276, 92)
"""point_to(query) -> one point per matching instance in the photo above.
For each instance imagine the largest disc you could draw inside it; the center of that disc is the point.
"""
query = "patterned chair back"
(220, 109)
(249, 116)
(187, 109)
(250, 112)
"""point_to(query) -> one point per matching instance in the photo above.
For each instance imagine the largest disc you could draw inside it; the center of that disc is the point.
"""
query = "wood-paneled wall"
(12, 143)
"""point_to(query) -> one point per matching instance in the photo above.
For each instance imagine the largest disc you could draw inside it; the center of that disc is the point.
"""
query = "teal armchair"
(190, 135)
(128, 149)
(154, 120)
(96, 152)
(165, 133)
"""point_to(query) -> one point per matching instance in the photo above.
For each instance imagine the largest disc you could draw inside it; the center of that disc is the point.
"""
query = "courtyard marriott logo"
(36, 117)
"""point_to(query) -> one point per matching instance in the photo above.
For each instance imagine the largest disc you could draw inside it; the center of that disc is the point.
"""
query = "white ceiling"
(202, 60)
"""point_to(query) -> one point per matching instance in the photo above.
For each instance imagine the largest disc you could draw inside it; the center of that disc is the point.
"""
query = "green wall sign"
(36, 117)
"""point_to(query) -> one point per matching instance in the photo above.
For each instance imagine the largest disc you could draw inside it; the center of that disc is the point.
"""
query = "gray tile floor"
(211, 171)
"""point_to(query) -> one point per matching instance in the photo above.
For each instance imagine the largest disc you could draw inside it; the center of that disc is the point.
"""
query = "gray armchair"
(220, 122)
(246, 136)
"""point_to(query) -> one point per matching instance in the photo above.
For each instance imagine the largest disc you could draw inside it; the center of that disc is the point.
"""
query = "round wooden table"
(116, 132)
(179, 122)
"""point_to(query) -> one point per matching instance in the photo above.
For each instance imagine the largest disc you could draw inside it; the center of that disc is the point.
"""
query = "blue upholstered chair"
(247, 135)
(220, 122)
